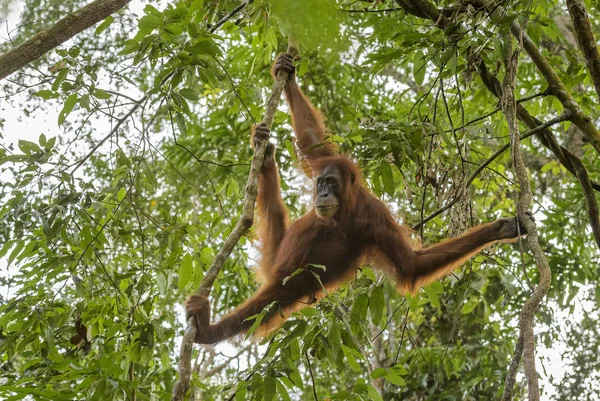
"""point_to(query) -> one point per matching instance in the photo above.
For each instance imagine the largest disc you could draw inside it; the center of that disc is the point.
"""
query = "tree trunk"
(57, 34)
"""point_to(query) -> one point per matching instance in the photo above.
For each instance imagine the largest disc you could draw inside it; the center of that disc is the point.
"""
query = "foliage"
(114, 216)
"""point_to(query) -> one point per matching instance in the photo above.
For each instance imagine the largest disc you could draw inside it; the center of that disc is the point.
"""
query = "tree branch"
(509, 106)
(51, 37)
(511, 376)
(586, 39)
(564, 156)
(555, 85)
(488, 161)
(219, 23)
(571, 162)
(244, 223)
(78, 164)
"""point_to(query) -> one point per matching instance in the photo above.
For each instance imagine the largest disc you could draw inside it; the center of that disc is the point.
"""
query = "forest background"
(124, 159)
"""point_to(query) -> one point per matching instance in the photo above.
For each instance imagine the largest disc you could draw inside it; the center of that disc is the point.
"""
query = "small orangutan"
(348, 226)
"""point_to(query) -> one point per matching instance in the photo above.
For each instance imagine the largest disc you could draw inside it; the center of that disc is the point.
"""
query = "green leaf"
(303, 67)
(271, 38)
(373, 393)
(360, 307)
(387, 178)
(121, 194)
(379, 372)
(309, 311)
(46, 94)
(67, 108)
(150, 22)
(351, 359)
(161, 283)
(397, 380)
(185, 271)
(101, 94)
(105, 24)
(28, 147)
(469, 306)
(290, 148)
(432, 295)
(318, 279)
(190, 94)
(99, 392)
(130, 47)
(62, 75)
(257, 319)
(207, 46)
(269, 386)
(398, 370)
(419, 68)
(180, 121)
(6, 247)
(174, 29)
(84, 102)
(74, 51)
(240, 394)
(291, 276)
(376, 304)
(282, 391)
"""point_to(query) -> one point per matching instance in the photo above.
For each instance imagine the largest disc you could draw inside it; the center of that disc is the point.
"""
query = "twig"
(312, 376)
(246, 220)
(535, 95)
(511, 376)
(78, 164)
(366, 10)
(131, 380)
(234, 88)
(388, 322)
(475, 120)
(226, 18)
(223, 365)
(509, 106)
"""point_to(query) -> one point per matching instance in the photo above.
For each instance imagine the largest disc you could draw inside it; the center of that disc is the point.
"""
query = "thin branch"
(217, 25)
(246, 220)
(511, 376)
(78, 164)
(534, 96)
(54, 36)
(475, 120)
(367, 10)
(234, 88)
(223, 365)
(312, 376)
(587, 41)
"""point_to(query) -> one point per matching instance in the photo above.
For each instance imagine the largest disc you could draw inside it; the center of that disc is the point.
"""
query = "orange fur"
(360, 229)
